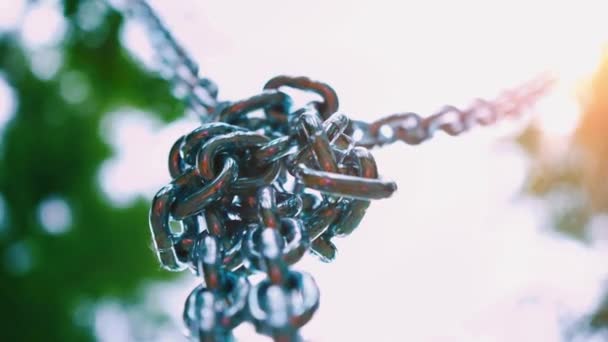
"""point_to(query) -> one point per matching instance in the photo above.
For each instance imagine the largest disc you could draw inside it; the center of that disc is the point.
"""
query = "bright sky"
(454, 255)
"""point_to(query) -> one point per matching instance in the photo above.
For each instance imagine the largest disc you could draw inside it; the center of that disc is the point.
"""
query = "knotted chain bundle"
(261, 183)
(253, 194)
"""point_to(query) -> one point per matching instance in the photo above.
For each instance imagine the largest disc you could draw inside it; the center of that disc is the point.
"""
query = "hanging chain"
(200, 94)
(261, 182)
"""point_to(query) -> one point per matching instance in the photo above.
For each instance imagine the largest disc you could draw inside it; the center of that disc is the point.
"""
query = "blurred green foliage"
(53, 147)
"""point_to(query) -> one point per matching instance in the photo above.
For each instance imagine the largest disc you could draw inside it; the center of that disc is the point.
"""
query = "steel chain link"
(253, 193)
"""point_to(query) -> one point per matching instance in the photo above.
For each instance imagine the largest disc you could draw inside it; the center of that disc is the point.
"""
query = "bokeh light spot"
(55, 215)
(91, 14)
(10, 14)
(559, 113)
(8, 102)
(112, 323)
(43, 25)
(3, 216)
(18, 258)
(74, 87)
(45, 63)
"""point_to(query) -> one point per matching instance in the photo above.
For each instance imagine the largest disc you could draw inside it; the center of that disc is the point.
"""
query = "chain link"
(260, 183)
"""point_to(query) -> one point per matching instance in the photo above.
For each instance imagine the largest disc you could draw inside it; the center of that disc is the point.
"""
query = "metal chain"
(255, 196)
(413, 129)
(265, 182)
(199, 94)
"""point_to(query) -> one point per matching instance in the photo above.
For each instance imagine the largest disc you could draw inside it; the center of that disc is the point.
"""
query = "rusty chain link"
(260, 183)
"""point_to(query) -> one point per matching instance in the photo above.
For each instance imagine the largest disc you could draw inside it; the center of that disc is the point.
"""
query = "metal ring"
(327, 107)
(354, 210)
(279, 310)
(193, 203)
(208, 255)
(449, 119)
(295, 244)
(485, 112)
(333, 129)
(181, 156)
(165, 205)
(406, 127)
(270, 98)
(310, 131)
(203, 315)
(161, 231)
(230, 143)
(335, 125)
(185, 242)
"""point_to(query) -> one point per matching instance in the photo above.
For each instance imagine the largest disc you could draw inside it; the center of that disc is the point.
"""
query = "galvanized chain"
(265, 182)
(199, 94)
(254, 195)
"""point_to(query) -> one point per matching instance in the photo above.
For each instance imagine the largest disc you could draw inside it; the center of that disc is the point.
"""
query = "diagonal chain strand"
(261, 182)
(412, 128)
(199, 93)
